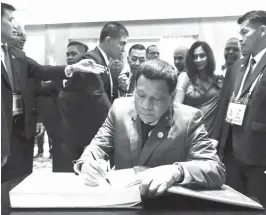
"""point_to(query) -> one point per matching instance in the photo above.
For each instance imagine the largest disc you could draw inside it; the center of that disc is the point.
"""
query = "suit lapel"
(240, 74)
(261, 64)
(135, 136)
(98, 52)
(157, 136)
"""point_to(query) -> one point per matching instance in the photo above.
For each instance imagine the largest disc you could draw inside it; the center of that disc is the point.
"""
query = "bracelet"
(182, 173)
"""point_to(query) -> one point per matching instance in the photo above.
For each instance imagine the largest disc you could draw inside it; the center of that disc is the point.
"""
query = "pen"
(107, 180)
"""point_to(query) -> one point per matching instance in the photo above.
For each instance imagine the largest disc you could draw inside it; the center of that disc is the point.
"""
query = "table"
(167, 205)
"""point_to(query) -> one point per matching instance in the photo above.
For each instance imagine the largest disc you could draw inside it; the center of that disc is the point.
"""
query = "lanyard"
(251, 88)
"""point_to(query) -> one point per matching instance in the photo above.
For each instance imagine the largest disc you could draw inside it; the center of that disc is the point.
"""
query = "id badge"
(236, 112)
(17, 104)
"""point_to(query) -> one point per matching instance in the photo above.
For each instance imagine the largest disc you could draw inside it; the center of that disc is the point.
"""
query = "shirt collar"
(259, 55)
(104, 56)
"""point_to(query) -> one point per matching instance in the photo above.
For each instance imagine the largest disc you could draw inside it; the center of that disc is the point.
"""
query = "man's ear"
(108, 39)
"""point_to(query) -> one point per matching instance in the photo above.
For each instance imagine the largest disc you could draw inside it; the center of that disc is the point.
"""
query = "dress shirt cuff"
(187, 176)
(69, 70)
(77, 166)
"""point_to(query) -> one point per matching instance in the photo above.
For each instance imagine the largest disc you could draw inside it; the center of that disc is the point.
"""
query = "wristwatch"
(182, 173)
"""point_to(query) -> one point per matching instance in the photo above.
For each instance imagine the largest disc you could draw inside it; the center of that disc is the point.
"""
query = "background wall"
(213, 30)
(50, 24)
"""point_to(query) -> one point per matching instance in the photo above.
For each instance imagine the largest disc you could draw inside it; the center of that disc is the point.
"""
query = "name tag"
(236, 111)
(17, 104)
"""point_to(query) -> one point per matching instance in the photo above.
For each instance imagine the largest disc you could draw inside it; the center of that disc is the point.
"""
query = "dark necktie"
(8, 67)
(251, 67)
(131, 86)
(145, 128)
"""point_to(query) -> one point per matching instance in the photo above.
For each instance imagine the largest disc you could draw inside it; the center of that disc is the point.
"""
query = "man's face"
(135, 59)
(116, 46)
(231, 53)
(20, 39)
(152, 99)
(8, 31)
(179, 60)
(72, 53)
(200, 58)
(116, 65)
(250, 37)
(153, 53)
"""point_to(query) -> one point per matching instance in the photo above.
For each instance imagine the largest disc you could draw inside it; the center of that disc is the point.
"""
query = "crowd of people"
(185, 123)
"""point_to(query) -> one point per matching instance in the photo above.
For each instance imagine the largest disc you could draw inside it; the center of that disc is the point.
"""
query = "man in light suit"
(243, 146)
(149, 130)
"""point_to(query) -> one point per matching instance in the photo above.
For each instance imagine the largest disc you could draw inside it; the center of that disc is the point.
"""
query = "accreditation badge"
(236, 111)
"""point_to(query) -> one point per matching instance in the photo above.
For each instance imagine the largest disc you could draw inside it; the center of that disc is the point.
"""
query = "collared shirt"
(3, 55)
(257, 58)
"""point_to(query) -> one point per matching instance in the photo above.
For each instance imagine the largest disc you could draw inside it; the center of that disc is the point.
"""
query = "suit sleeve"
(102, 144)
(203, 162)
(45, 73)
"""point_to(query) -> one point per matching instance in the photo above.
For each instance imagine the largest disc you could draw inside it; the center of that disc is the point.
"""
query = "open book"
(67, 190)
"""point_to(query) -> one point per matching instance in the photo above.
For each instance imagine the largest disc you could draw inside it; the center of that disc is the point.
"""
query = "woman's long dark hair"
(191, 66)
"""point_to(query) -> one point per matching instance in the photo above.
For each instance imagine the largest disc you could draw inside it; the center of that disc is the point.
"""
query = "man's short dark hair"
(255, 16)
(148, 49)
(113, 30)
(157, 69)
(5, 6)
(136, 46)
(76, 43)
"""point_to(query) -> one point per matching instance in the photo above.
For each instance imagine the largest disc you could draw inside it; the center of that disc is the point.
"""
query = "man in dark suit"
(18, 98)
(85, 100)
(149, 130)
(136, 57)
(19, 42)
(242, 144)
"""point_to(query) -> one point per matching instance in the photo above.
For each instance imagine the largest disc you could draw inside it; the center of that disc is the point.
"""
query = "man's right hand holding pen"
(94, 172)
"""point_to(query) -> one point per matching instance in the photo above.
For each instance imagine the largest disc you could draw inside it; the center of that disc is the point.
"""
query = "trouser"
(64, 154)
(40, 142)
(5, 188)
(245, 178)
(19, 163)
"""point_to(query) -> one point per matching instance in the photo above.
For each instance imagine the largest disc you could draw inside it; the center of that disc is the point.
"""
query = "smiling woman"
(198, 87)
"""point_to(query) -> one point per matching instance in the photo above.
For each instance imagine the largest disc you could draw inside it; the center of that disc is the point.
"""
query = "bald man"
(231, 53)
(21, 37)
(180, 57)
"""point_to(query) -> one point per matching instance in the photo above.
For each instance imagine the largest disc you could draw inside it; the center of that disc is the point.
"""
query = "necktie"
(131, 86)
(8, 67)
(251, 67)
(146, 128)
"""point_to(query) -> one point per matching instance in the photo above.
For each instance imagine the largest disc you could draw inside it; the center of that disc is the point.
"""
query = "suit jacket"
(222, 128)
(179, 136)
(25, 68)
(83, 104)
(249, 140)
